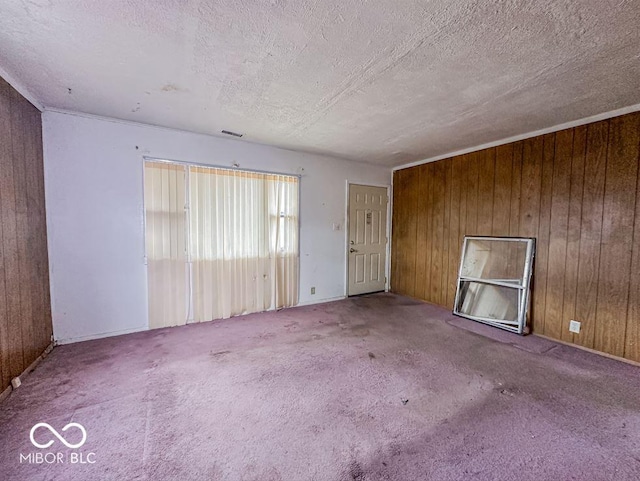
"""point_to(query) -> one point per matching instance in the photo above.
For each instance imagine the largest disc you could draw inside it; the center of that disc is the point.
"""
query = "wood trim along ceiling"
(576, 191)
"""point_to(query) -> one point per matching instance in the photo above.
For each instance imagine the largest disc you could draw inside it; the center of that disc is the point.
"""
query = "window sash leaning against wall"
(235, 250)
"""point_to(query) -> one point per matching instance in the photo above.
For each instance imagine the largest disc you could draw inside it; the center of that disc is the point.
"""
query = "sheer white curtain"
(239, 243)
(283, 238)
(244, 242)
(165, 220)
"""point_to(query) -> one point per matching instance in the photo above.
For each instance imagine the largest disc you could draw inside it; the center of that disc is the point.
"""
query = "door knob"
(352, 250)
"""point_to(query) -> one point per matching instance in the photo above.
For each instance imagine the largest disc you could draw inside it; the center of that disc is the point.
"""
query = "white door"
(367, 238)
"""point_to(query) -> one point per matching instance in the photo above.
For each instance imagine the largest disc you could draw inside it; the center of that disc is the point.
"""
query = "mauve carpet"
(378, 387)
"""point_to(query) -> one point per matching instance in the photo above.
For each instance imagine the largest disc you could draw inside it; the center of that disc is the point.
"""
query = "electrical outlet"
(313, 290)
(574, 326)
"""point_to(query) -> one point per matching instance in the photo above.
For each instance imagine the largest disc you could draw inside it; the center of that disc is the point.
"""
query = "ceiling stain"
(171, 88)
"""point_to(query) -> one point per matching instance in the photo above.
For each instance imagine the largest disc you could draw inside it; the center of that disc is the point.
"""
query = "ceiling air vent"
(228, 132)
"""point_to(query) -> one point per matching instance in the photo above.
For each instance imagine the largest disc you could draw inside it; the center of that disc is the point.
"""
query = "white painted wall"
(94, 200)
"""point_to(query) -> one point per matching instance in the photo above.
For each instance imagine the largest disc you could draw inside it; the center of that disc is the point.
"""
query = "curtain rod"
(214, 166)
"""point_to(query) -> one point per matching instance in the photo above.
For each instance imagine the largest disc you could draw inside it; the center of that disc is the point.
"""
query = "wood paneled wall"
(25, 309)
(576, 191)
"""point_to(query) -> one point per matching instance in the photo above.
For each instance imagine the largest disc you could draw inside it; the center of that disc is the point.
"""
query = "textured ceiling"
(384, 81)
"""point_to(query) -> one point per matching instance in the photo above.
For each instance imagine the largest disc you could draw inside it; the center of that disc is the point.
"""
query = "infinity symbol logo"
(57, 435)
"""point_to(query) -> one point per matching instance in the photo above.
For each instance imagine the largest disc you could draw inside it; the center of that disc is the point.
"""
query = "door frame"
(387, 260)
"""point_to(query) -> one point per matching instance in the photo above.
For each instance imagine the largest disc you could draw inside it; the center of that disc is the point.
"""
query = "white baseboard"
(320, 301)
(5, 394)
(102, 335)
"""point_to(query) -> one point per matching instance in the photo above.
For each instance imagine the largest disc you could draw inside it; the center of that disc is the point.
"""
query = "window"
(240, 241)
(493, 281)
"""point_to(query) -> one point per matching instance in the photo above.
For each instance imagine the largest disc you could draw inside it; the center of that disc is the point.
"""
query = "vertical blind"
(166, 246)
(239, 242)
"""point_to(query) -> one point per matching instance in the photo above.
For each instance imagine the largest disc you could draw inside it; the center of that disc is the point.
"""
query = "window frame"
(233, 168)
